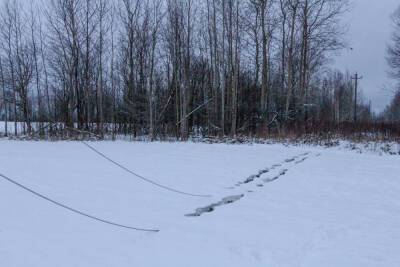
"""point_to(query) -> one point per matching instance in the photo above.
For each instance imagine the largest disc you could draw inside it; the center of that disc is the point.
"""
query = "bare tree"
(393, 50)
(293, 9)
(20, 63)
(5, 107)
(158, 67)
(37, 71)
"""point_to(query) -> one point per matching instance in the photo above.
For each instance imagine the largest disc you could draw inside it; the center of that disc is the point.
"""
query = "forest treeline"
(392, 112)
(175, 67)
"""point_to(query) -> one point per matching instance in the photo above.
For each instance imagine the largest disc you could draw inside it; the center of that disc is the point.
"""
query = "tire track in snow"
(296, 159)
(211, 207)
(234, 198)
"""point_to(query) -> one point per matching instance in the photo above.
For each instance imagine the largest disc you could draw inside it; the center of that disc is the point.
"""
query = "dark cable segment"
(74, 210)
(140, 176)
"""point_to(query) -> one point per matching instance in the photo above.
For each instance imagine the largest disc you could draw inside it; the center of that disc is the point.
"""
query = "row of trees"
(221, 67)
(392, 112)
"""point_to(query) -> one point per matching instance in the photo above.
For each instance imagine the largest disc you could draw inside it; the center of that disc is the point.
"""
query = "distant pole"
(356, 78)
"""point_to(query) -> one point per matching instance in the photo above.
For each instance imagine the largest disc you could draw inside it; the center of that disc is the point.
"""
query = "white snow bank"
(326, 208)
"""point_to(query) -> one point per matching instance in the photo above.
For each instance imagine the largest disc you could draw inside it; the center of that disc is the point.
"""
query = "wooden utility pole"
(356, 78)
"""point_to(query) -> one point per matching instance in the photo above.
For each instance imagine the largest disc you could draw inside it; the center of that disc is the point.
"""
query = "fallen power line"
(195, 110)
(140, 176)
(59, 204)
(119, 165)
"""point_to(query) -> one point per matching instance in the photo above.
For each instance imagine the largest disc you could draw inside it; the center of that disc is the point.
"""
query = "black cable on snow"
(140, 176)
(72, 209)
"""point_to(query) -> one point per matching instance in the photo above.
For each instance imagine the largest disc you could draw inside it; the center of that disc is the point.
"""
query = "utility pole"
(356, 78)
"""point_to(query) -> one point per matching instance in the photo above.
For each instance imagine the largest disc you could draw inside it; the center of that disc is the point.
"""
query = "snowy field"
(291, 206)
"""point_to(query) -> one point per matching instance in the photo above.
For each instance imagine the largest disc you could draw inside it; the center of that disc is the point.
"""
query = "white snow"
(331, 208)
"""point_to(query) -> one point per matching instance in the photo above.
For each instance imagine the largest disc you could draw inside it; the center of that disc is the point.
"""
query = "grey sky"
(369, 32)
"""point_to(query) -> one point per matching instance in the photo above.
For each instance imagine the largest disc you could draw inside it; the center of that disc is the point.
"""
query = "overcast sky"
(369, 33)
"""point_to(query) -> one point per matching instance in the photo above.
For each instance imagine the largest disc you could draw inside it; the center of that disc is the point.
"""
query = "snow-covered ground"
(292, 206)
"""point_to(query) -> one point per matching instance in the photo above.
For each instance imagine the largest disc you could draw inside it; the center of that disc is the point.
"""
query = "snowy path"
(323, 208)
